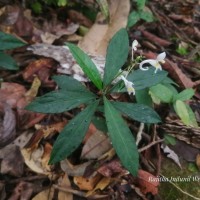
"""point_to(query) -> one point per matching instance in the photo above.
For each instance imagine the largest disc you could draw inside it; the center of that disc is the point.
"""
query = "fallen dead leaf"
(8, 164)
(102, 184)
(171, 154)
(87, 183)
(7, 124)
(64, 182)
(23, 190)
(95, 42)
(146, 185)
(96, 145)
(74, 170)
(45, 195)
(111, 168)
(198, 161)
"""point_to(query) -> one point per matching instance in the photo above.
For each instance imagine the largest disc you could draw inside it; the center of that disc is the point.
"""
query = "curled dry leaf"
(7, 124)
(8, 164)
(111, 168)
(64, 182)
(23, 190)
(97, 144)
(41, 68)
(74, 170)
(87, 183)
(147, 183)
(45, 195)
(36, 160)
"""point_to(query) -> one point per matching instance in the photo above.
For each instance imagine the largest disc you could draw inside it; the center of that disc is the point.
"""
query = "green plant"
(8, 42)
(141, 13)
(72, 94)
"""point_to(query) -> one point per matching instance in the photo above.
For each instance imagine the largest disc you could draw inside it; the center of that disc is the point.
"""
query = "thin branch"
(150, 145)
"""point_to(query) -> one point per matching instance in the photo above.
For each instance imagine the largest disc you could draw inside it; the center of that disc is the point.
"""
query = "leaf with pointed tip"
(60, 101)
(72, 134)
(117, 53)
(138, 112)
(86, 64)
(8, 41)
(7, 62)
(122, 138)
(184, 95)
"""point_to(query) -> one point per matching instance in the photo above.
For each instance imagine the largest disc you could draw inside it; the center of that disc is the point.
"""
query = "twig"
(139, 134)
(150, 145)
(78, 193)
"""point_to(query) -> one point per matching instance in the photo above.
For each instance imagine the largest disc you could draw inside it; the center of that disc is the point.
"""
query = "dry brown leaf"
(146, 183)
(23, 190)
(97, 144)
(45, 195)
(102, 184)
(109, 169)
(87, 183)
(7, 124)
(41, 68)
(64, 182)
(8, 164)
(35, 160)
(11, 93)
(74, 170)
(95, 42)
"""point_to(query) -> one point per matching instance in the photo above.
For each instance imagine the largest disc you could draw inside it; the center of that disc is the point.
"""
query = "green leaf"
(143, 79)
(117, 53)
(103, 4)
(100, 123)
(184, 95)
(133, 18)
(62, 2)
(7, 62)
(60, 101)
(122, 138)
(193, 121)
(143, 97)
(182, 112)
(140, 4)
(146, 16)
(169, 139)
(162, 93)
(8, 41)
(68, 83)
(72, 135)
(138, 112)
(86, 64)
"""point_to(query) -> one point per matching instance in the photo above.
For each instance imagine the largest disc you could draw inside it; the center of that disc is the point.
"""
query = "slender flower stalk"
(128, 85)
(154, 62)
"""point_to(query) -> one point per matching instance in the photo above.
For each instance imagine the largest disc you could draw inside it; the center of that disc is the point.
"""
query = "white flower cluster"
(154, 62)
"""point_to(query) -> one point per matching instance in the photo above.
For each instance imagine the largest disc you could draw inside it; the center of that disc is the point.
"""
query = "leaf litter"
(94, 166)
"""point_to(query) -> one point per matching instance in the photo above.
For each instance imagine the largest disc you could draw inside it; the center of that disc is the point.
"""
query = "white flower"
(134, 47)
(129, 85)
(154, 62)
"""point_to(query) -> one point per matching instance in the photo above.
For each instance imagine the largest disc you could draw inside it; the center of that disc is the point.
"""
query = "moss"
(168, 192)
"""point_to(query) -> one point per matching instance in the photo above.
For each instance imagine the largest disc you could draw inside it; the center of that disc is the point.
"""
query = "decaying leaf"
(36, 160)
(8, 164)
(87, 183)
(102, 184)
(45, 195)
(171, 154)
(96, 40)
(7, 124)
(74, 170)
(97, 144)
(110, 168)
(64, 182)
(147, 182)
